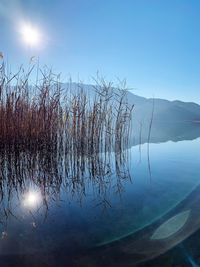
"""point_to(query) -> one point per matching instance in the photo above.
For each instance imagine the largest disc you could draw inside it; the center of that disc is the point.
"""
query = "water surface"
(130, 211)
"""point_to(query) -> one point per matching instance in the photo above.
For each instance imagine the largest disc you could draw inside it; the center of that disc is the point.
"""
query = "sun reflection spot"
(32, 199)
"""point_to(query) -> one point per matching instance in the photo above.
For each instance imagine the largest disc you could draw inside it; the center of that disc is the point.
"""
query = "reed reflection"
(33, 181)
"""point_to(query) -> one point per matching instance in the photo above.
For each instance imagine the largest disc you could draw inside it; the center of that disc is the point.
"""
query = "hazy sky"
(155, 45)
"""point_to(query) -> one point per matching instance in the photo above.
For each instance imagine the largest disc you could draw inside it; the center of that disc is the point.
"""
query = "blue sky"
(155, 45)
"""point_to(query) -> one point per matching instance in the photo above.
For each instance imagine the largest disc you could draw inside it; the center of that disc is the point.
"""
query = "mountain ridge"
(172, 120)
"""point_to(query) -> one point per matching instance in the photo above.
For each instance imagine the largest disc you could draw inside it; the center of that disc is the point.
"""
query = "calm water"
(148, 214)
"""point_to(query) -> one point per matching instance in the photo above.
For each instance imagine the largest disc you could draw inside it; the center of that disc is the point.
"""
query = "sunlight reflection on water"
(32, 199)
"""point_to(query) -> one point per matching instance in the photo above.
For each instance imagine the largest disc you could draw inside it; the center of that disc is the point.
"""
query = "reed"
(45, 117)
(53, 137)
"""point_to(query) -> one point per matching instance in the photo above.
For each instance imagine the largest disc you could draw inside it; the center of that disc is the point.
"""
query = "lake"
(140, 208)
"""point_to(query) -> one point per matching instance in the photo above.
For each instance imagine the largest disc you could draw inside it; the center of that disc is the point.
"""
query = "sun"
(30, 35)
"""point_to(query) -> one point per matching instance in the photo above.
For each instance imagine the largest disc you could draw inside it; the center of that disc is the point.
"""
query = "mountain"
(172, 120)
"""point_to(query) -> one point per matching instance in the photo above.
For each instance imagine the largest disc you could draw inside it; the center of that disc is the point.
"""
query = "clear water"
(146, 217)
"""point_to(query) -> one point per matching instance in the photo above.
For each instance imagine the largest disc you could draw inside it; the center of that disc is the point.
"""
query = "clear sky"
(155, 45)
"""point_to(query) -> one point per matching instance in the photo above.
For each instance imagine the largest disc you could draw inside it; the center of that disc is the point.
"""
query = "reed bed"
(49, 116)
(56, 137)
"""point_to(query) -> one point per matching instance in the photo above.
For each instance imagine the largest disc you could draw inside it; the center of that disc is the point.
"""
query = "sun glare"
(31, 35)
